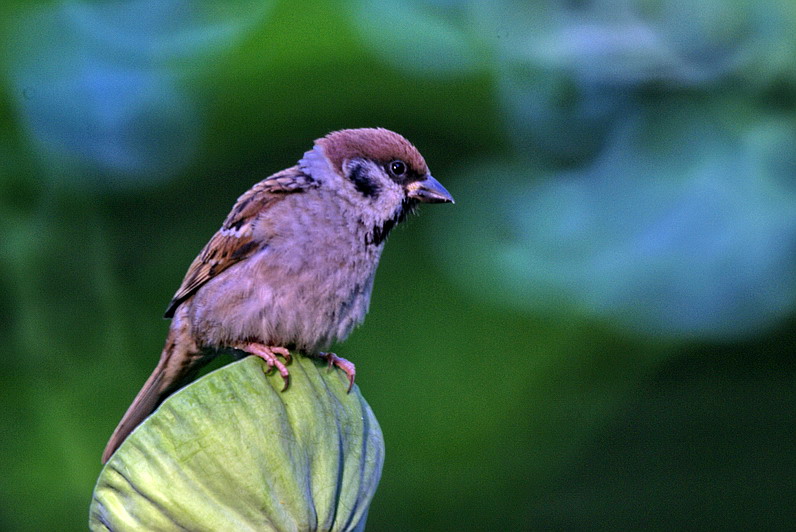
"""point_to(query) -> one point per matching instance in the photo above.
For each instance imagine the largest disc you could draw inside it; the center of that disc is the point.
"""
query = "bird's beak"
(428, 190)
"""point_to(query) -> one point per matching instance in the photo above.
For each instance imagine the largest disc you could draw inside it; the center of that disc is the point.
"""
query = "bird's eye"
(397, 168)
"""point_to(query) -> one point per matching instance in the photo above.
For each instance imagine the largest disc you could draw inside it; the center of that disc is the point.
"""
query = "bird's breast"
(307, 287)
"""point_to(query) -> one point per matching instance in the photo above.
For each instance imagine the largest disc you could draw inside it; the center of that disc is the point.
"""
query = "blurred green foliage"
(598, 334)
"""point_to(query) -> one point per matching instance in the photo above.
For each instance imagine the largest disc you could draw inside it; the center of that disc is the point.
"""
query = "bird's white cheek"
(368, 192)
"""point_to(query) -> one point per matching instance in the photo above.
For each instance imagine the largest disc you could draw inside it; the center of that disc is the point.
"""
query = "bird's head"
(377, 170)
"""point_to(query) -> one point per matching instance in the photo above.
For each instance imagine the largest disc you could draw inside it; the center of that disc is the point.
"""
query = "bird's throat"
(378, 234)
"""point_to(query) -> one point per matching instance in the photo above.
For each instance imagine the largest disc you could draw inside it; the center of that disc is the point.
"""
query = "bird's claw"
(270, 355)
(348, 367)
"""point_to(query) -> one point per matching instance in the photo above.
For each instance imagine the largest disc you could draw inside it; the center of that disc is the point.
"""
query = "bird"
(293, 264)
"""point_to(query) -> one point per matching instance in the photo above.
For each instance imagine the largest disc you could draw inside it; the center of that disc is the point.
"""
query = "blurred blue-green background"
(599, 334)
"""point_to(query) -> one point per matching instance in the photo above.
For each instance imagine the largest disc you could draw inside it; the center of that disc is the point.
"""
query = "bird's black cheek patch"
(358, 174)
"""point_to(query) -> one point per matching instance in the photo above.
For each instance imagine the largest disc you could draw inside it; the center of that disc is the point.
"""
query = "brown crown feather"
(376, 144)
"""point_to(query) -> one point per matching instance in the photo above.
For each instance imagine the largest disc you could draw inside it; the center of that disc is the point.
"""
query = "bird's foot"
(269, 354)
(343, 364)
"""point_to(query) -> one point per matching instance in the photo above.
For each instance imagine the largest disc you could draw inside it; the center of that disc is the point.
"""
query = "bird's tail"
(179, 363)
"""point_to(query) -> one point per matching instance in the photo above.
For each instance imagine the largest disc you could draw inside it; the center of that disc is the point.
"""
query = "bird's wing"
(235, 241)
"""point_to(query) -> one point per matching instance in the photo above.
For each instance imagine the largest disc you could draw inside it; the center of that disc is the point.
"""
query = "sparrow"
(292, 266)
